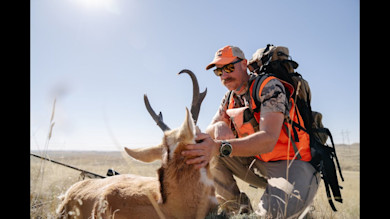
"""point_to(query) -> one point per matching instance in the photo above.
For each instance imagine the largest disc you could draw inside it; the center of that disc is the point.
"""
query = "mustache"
(228, 80)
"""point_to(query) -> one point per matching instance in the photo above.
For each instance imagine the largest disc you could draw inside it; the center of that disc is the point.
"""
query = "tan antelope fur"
(179, 191)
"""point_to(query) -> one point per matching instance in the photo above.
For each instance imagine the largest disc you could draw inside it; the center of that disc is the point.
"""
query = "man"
(253, 150)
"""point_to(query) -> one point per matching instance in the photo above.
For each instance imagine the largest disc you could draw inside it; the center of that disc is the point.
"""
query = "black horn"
(197, 97)
(157, 118)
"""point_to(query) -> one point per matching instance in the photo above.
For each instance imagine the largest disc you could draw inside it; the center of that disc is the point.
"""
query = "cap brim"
(220, 61)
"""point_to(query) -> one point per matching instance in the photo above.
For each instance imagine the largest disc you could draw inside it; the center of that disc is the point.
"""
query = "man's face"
(235, 78)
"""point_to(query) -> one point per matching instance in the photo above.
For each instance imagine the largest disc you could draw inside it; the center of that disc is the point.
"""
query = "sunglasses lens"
(228, 68)
(218, 71)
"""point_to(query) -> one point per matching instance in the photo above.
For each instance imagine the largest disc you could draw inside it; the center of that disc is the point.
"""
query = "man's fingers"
(198, 146)
(200, 165)
(196, 160)
(199, 153)
(192, 152)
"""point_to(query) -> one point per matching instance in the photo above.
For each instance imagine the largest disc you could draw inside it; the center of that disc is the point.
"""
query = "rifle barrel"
(75, 168)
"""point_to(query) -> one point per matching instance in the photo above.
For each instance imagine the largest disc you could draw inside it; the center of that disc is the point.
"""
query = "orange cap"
(226, 55)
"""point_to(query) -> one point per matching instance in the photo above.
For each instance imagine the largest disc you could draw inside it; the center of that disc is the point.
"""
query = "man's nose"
(224, 75)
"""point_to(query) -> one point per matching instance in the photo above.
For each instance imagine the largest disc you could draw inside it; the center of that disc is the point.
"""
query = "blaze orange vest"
(297, 147)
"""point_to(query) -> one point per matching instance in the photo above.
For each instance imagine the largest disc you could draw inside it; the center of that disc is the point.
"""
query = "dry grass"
(46, 186)
(57, 179)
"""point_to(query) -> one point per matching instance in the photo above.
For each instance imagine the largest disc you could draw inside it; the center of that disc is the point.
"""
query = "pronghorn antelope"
(179, 191)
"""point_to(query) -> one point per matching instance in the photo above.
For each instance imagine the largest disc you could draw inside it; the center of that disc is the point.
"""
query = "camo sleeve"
(221, 112)
(273, 98)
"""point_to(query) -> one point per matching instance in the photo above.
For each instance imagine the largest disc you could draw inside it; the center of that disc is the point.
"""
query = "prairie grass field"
(49, 180)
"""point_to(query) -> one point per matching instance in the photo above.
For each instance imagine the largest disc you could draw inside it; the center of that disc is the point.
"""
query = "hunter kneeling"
(251, 141)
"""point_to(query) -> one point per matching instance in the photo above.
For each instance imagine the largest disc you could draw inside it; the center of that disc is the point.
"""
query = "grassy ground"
(49, 180)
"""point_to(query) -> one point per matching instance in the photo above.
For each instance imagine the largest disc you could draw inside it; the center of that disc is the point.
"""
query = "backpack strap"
(226, 103)
(327, 167)
(328, 195)
(326, 130)
(256, 97)
(296, 151)
(256, 88)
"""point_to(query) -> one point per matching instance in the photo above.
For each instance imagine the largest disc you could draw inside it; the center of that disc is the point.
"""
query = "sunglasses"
(228, 68)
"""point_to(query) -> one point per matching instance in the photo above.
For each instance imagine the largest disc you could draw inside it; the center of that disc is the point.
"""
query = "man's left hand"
(201, 153)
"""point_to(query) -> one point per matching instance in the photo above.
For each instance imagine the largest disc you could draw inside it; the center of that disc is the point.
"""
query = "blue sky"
(99, 57)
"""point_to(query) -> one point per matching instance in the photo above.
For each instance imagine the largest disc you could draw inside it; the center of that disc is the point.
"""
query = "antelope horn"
(157, 118)
(197, 97)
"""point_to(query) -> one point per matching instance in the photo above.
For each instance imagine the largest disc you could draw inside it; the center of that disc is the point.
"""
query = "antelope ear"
(146, 154)
(188, 128)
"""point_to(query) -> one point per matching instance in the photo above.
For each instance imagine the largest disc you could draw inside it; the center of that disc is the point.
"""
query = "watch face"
(226, 149)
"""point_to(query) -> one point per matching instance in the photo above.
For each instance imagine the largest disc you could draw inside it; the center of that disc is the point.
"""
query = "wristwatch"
(226, 149)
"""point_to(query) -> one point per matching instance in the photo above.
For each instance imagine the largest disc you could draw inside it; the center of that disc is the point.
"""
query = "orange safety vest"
(299, 142)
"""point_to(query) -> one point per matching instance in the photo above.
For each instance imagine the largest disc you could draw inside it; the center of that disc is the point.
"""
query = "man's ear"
(244, 64)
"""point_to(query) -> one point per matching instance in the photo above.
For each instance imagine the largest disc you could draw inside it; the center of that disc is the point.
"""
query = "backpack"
(276, 61)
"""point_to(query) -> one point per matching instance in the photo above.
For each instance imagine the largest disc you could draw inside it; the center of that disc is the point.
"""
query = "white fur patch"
(204, 178)
(172, 149)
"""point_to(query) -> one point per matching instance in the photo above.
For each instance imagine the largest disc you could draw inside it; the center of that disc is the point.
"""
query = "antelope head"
(180, 191)
(183, 135)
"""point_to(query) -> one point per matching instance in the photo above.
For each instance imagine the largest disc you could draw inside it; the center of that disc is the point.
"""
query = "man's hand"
(201, 153)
